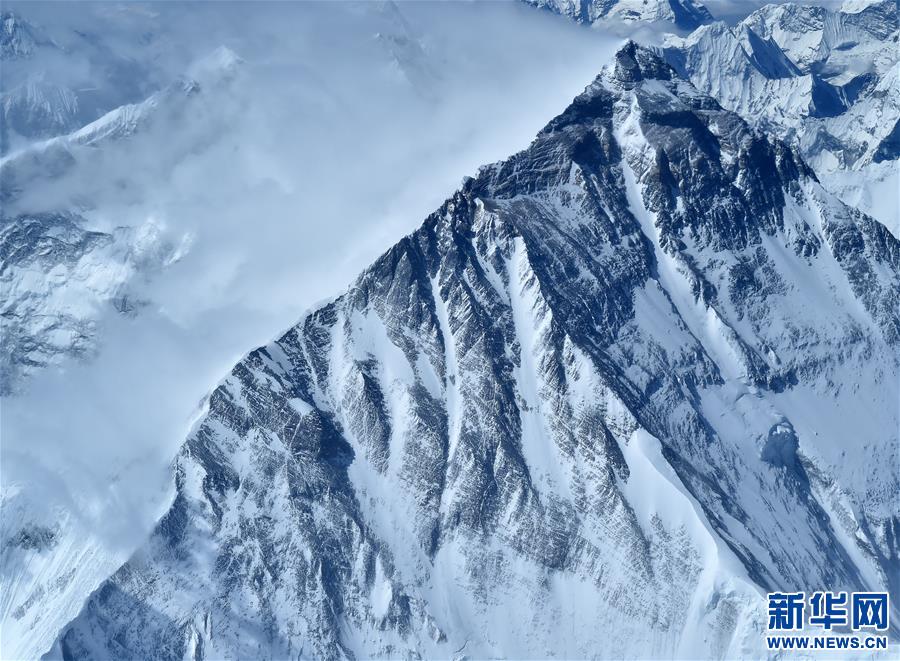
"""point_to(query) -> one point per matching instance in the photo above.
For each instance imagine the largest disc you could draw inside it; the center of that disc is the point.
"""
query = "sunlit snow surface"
(823, 76)
(263, 155)
(570, 415)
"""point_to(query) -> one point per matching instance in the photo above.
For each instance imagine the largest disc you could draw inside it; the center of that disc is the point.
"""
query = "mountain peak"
(631, 65)
(572, 356)
(585, 395)
(634, 63)
(684, 14)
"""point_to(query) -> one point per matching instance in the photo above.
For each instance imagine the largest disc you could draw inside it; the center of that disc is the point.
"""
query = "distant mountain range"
(824, 78)
(36, 104)
(684, 14)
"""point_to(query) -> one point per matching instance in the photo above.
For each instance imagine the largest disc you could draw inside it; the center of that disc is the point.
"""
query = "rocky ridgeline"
(595, 406)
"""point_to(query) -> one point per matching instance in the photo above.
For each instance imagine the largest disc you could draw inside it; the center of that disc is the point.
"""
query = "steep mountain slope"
(63, 275)
(60, 282)
(823, 79)
(684, 14)
(612, 390)
(92, 221)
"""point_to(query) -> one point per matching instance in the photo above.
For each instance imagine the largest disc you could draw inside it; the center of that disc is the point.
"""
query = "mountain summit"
(607, 389)
(684, 14)
(824, 80)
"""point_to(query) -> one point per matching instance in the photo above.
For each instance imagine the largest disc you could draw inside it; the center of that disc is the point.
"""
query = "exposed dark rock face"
(823, 79)
(889, 147)
(583, 410)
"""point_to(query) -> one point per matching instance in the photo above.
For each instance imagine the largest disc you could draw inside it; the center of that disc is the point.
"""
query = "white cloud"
(344, 126)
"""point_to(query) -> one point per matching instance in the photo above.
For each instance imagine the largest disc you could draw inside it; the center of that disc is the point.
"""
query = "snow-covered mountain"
(56, 80)
(615, 388)
(30, 105)
(824, 79)
(49, 159)
(19, 38)
(135, 247)
(59, 274)
(58, 278)
(683, 14)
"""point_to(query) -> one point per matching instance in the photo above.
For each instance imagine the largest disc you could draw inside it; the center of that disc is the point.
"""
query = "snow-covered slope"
(45, 565)
(836, 41)
(683, 14)
(823, 79)
(62, 279)
(57, 278)
(38, 107)
(616, 387)
(254, 177)
(30, 105)
(56, 80)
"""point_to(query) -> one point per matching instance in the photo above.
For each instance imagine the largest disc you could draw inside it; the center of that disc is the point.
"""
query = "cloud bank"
(318, 134)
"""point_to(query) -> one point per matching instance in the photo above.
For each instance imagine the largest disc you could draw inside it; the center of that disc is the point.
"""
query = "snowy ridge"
(580, 398)
(54, 155)
(683, 14)
(56, 80)
(94, 307)
(824, 80)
